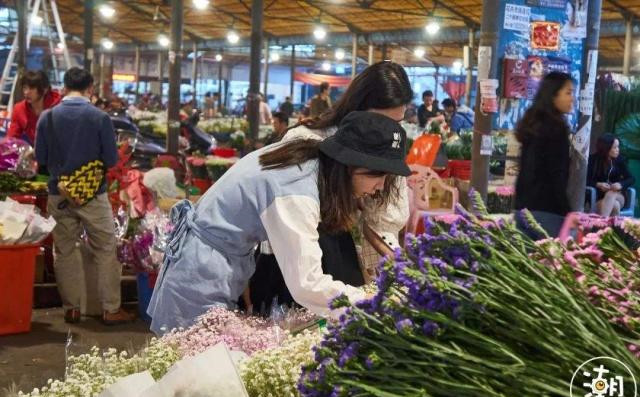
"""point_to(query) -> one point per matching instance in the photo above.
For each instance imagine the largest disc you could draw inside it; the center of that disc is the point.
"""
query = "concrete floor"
(28, 360)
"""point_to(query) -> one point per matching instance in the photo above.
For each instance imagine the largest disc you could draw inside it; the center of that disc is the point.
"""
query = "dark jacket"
(424, 115)
(615, 172)
(544, 171)
(81, 133)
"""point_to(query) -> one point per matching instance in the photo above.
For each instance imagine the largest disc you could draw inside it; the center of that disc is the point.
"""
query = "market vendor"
(38, 97)
(282, 193)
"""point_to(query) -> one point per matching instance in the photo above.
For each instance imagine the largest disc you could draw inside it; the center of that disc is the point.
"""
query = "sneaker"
(72, 316)
(119, 317)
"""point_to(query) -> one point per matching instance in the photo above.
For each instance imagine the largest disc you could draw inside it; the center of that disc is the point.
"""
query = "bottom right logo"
(603, 376)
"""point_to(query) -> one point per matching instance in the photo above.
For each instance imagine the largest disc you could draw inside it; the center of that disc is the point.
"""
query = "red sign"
(516, 74)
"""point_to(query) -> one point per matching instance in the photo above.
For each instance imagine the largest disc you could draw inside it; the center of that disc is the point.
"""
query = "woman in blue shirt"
(282, 193)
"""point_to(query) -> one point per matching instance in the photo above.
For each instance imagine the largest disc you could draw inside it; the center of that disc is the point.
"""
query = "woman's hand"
(605, 187)
(616, 187)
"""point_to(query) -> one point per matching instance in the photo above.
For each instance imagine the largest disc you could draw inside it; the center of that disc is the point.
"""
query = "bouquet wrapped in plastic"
(17, 156)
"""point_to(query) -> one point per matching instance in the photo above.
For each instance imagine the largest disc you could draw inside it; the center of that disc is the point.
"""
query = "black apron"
(339, 259)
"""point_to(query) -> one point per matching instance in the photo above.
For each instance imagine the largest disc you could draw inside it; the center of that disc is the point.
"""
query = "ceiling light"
(163, 40)
(218, 57)
(319, 32)
(419, 52)
(36, 19)
(233, 37)
(326, 66)
(200, 4)
(340, 54)
(61, 46)
(107, 44)
(275, 57)
(107, 11)
(432, 27)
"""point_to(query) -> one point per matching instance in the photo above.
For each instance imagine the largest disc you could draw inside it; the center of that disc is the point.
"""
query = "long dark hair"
(603, 147)
(543, 111)
(383, 85)
(338, 206)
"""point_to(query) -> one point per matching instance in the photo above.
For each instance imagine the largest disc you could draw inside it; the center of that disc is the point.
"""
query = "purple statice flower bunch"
(420, 290)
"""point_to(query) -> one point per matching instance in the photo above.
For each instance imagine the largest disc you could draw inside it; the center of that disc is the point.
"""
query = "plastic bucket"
(17, 272)
(146, 282)
(201, 184)
(460, 169)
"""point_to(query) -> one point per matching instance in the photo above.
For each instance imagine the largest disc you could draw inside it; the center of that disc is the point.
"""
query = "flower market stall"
(471, 307)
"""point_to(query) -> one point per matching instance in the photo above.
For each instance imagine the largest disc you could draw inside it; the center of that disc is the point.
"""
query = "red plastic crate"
(17, 272)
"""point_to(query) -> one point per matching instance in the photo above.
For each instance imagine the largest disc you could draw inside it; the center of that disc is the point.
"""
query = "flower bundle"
(224, 125)
(500, 201)
(275, 371)
(217, 166)
(466, 310)
(91, 373)
(604, 266)
(238, 331)
(153, 127)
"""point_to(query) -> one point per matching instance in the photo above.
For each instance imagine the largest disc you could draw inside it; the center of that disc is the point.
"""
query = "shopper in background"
(428, 109)
(283, 193)
(286, 107)
(457, 120)
(544, 161)
(609, 175)
(321, 102)
(280, 125)
(38, 97)
(265, 111)
(210, 106)
(81, 133)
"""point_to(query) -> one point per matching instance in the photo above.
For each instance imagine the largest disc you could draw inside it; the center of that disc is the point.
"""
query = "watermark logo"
(598, 378)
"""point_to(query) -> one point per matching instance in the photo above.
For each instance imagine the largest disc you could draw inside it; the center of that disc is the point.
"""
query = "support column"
(384, 52)
(626, 67)
(253, 100)
(220, 90)
(160, 72)
(582, 138)
(101, 80)
(266, 67)
(354, 56)
(293, 71)
(194, 74)
(88, 34)
(469, 82)
(370, 54)
(175, 62)
(436, 78)
(137, 66)
(489, 38)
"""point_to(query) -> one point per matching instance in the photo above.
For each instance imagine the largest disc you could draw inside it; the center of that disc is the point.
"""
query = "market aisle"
(28, 360)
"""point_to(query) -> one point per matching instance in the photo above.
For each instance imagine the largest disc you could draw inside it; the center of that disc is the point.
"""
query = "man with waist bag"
(76, 141)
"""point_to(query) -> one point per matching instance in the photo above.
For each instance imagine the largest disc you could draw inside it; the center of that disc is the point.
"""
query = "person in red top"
(38, 97)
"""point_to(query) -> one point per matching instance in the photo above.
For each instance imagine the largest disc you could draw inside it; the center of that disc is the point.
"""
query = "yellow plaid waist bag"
(80, 186)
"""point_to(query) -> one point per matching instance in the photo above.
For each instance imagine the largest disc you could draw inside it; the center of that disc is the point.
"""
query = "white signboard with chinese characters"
(517, 18)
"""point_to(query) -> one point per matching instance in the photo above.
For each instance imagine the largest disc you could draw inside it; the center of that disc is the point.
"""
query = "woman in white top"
(383, 87)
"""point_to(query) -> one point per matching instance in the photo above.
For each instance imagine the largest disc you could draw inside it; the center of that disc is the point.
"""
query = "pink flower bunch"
(240, 332)
(630, 226)
(505, 191)
(600, 266)
(594, 221)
